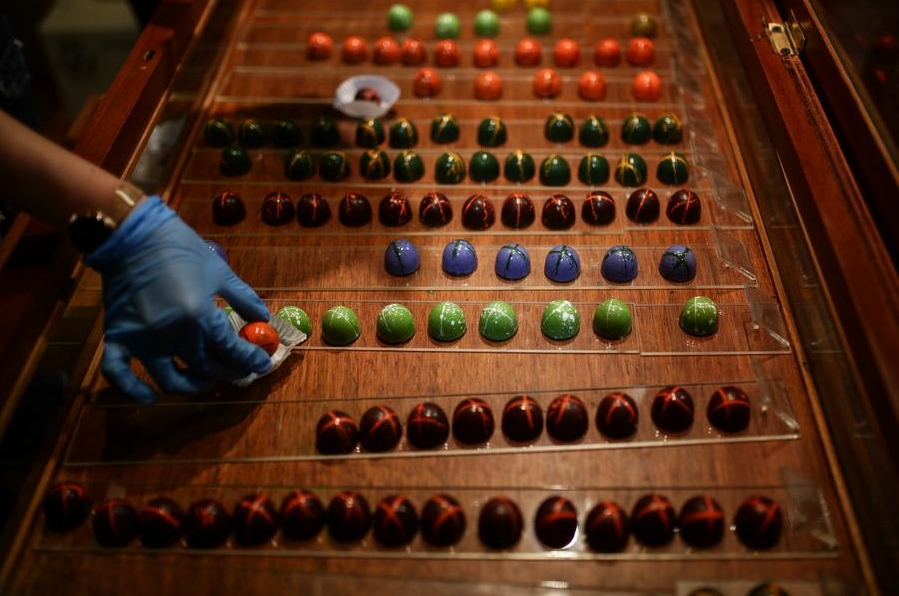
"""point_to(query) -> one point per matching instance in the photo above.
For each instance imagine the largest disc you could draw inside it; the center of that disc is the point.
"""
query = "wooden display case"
(786, 247)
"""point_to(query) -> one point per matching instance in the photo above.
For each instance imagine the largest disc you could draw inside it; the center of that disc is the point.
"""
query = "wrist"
(89, 230)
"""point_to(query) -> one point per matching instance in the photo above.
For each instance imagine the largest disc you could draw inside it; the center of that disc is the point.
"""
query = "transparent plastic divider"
(796, 541)
(766, 315)
(216, 431)
(738, 332)
(794, 587)
(734, 253)
(314, 267)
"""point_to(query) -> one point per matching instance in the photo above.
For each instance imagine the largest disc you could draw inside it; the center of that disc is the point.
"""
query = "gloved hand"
(160, 280)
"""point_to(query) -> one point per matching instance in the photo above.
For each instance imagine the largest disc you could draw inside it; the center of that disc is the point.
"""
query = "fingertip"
(116, 367)
(244, 300)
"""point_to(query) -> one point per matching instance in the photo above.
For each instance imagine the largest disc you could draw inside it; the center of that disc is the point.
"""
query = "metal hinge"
(787, 38)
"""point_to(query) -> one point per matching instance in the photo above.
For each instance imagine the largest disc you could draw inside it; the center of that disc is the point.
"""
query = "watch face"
(87, 232)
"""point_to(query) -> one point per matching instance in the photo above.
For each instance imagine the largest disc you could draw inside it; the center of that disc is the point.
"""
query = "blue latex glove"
(160, 281)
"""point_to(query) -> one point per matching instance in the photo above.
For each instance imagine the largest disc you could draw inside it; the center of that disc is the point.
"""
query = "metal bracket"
(787, 38)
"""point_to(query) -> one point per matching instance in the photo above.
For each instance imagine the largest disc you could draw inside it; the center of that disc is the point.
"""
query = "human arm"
(160, 279)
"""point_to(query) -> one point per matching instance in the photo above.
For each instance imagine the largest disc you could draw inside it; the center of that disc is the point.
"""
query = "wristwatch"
(87, 231)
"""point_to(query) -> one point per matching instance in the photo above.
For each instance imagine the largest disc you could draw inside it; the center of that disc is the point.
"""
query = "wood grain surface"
(239, 441)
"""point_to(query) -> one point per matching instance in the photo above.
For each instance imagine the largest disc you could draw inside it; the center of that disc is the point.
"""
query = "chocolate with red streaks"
(701, 522)
(313, 210)
(473, 421)
(500, 523)
(442, 521)
(161, 523)
(558, 212)
(395, 521)
(607, 528)
(555, 522)
(255, 520)
(522, 420)
(349, 517)
(518, 211)
(435, 209)
(653, 520)
(758, 522)
(354, 210)
(380, 429)
(617, 416)
(66, 506)
(115, 522)
(207, 524)
(277, 208)
(302, 515)
(394, 210)
(336, 433)
(642, 206)
(566, 418)
(427, 426)
(598, 208)
(729, 409)
(478, 212)
(684, 207)
(228, 209)
(672, 409)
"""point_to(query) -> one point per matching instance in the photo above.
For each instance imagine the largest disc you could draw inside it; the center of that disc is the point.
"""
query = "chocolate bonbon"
(566, 418)
(459, 258)
(207, 524)
(729, 409)
(562, 264)
(336, 433)
(672, 409)
(435, 209)
(302, 515)
(161, 523)
(473, 422)
(617, 416)
(758, 522)
(555, 522)
(500, 523)
(607, 528)
(701, 522)
(395, 521)
(115, 522)
(498, 321)
(442, 521)
(66, 506)
(255, 520)
(349, 517)
(653, 520)
(427, 426)
(522, 419)
(380, 429)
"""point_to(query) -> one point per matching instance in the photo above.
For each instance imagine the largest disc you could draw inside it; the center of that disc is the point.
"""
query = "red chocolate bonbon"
(522, 420)
(427, 426)
(395, 521)
(302, 516)
(555, 522)
(500, 523)
(380, 429)
(115, 522)
(653, 520)
(473, 421)
(336, 434)
(161, 523)
(66, 506)
(255, 520)
(442, 521)
(566, 418)
(349, 517)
